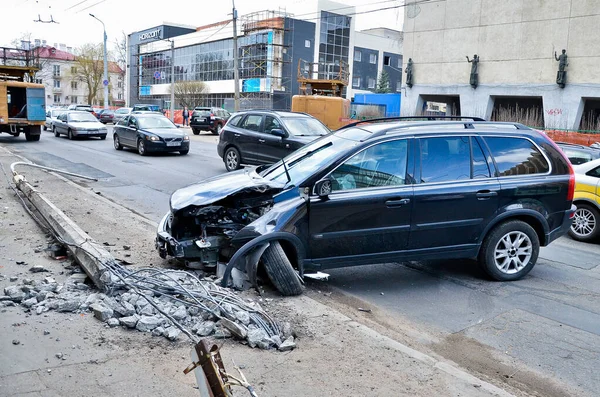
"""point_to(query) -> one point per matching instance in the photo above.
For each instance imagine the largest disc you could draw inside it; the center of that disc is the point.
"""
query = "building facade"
(271, 46)
(519, 73)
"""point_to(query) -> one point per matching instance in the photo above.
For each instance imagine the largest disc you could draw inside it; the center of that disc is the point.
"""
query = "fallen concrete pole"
(90, 255)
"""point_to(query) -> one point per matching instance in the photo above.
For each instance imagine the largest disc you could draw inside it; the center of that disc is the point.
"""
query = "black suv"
(208, 119)
(375, 192)
(265, 136)
(579, 154)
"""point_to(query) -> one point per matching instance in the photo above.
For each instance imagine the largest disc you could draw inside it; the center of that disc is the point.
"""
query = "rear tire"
(32, 138)
(585, 226)
(117, 142)
(217, 129)
(56, 134)
(45, 128)
(195, 131)
(280, 271)
(509, 251)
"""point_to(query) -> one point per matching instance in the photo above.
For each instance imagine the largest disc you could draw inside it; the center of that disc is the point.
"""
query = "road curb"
(76, 236)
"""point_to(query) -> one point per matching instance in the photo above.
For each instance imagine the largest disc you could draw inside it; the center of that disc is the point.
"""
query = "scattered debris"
(317, 276)
(126, 247)
(287, 345)
(16, 342)
(38, 269)
(13, 279)
(46, 332)
(360, 309)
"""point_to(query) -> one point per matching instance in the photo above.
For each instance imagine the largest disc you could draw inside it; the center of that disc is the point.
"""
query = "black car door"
(119, 130)
(246, 136)
(271, 148)
(456, 194)
(367, 216)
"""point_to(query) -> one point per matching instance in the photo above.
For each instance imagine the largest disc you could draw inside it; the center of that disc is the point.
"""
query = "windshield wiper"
(287, 173)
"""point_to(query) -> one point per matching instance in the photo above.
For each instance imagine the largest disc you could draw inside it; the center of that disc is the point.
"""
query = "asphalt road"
(550, 320)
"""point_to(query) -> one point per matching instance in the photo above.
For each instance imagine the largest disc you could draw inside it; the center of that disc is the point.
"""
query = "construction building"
(271, 46)
(520, 46)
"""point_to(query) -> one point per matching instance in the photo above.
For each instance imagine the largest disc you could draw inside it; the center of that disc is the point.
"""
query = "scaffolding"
(264, 54)
(18, 64)
(322, 78)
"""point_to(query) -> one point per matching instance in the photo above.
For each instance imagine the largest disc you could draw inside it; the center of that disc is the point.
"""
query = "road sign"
(157, 75)
(162, 75)
(105, 82)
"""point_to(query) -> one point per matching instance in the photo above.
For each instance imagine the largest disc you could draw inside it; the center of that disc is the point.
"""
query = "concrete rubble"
(207, 311)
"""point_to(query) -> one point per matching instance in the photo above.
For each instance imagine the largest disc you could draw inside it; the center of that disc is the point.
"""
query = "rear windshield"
(151, 108)
(202, 112)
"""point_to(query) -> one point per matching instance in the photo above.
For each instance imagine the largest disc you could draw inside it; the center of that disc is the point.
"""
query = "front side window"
(271, 123)
(305, 126)
(123, 122)
(252, 122)
(445, 159)
(516, 156)
(383, 164)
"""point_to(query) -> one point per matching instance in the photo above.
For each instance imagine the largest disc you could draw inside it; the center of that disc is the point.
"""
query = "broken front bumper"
(198, 249)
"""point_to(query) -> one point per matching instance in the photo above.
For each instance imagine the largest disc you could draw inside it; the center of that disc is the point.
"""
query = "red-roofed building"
(64, 84)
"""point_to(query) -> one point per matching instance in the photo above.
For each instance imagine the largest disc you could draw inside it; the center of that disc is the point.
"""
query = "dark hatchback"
(265, 137)
(208, 119)
(105, 116)
(150, 132)
(381, 192)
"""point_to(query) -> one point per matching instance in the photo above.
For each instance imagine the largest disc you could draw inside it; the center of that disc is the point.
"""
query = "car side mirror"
(279, 132)
(323, 188)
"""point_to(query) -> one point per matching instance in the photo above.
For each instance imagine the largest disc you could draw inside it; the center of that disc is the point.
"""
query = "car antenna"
(287, 173)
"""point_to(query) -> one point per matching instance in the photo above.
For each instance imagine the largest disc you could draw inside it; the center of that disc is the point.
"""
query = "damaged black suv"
(380, 191)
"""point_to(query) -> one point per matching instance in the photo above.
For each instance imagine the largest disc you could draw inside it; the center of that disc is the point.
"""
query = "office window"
(372, 58)
(356, 82)
(399, 64)
(56, 98)
(371, 82)
(74, 85)
(387, 61)
(307, 43)
(357, 55)
(56, 83)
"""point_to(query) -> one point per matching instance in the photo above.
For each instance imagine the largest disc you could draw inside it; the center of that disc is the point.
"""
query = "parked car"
(150, 132)
(78, 123)
(106, 116)
(120, 113)
(208, 119)
(147, 107)
(377, 192)
(265, 137)
(579, 154)
(51, 116)
(586, 223)
(87, 108)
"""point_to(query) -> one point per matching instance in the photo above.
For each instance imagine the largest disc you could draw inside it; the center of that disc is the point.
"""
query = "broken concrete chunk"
(193, 310)
(243, 317)
(146, 310)
(255, 336)
(239, 331)
(113, 322)
(180, 313)
(13, 279)
(173, 333)
(148, 323)
(129, 322)
(222, 333)
(69, 305)
(276, 340)
(287, 345)
(125, 309)
(204, 328)
(29, 302)
(38, 269)
(158, 331)
(39, 310)
(15, 293)
(102, 312)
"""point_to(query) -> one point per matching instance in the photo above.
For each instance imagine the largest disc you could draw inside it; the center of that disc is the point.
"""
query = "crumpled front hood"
(219, 187)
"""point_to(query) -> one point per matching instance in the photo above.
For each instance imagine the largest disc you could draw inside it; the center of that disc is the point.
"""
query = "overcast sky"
(76, 27)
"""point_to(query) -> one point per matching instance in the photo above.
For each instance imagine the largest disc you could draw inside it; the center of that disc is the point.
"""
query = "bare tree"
(120, 52)
(190, 93)
(90, 69)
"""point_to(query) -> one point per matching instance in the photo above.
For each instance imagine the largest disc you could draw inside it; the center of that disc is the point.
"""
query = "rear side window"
(481, 169)
(252, 122)
(445, 159)
(516, 156)
(234, 121)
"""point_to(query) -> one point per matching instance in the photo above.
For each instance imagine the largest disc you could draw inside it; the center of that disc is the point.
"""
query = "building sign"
(145, 90)
(152, 34)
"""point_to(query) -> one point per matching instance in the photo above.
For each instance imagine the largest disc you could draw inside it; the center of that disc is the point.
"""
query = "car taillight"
(212, 116)
(571, 191)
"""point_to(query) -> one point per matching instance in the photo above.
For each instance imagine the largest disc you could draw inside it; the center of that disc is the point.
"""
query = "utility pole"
(172, 113)
(105, 80)
(236, 71)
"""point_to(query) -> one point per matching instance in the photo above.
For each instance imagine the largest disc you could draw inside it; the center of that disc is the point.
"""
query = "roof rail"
(426, 117)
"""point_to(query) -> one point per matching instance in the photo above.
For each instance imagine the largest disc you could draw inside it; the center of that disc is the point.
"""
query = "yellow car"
(586, 222)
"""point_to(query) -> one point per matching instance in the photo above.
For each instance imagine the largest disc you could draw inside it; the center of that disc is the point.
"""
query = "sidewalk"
(336, 356)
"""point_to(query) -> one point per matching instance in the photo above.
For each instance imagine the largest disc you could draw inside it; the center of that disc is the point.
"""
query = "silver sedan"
(76, 124)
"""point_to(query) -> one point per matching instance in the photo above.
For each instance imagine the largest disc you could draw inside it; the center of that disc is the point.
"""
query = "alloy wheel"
(513, 252)
(232, 160)
(584, 222)
(141, 147)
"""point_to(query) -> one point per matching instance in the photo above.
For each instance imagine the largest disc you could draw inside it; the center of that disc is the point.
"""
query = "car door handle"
(485, 194)
(397, 203)
(261, 140)
(237, 135)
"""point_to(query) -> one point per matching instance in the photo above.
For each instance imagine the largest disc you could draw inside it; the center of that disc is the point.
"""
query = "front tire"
(184, 152)
(509, 251)
(70, 135)
(103, 137)
(585, 226)
(141, 147)
(280, 271)
(232, 159)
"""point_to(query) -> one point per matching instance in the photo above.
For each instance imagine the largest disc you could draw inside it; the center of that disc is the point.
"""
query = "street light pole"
(105, 80)
(173, 81)
(236, 71)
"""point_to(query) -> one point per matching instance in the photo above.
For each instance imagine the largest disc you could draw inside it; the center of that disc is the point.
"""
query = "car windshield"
(304, 162)
(79, 117)
(305, 126)
(155, 122)
(55, 113)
